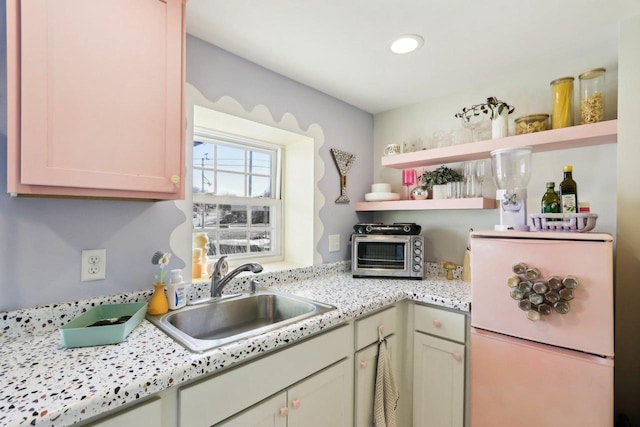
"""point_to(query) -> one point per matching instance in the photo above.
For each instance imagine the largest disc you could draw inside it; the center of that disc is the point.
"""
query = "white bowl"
(381, 187)
(381, 197)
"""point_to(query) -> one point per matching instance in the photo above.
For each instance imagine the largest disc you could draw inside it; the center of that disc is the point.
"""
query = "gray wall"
(41, 239)
(216, 73)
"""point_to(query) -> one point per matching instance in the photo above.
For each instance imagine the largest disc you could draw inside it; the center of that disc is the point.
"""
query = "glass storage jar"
(562, 102)
(532, 123)
(592, 96)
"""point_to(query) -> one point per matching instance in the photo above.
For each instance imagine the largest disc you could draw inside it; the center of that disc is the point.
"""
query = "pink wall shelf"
(555, 139)
(429, 204)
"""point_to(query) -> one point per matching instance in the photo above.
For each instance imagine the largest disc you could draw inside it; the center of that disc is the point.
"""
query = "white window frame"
(275, 202)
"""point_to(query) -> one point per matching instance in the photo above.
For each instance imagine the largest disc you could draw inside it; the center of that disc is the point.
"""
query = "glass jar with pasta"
(562, 102)
(592, 96)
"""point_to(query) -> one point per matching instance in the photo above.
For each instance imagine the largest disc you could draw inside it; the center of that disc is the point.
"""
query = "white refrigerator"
(542, 329)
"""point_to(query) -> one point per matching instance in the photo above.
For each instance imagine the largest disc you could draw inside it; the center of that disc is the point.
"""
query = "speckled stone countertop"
(43, 383)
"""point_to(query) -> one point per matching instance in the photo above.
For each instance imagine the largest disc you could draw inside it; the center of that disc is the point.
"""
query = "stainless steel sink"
(217, 322)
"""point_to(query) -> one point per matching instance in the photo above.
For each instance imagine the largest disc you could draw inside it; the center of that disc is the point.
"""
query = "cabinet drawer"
(367, 328)
(148, 413)
(442, 323)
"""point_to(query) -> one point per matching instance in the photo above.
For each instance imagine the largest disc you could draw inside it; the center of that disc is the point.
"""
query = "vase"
(439, 191)
(500, 125)
(158, 303)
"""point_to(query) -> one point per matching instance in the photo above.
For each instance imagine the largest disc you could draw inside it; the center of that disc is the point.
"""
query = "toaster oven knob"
(416, 267)
(417, 243)
(417, 259)
(417, 251)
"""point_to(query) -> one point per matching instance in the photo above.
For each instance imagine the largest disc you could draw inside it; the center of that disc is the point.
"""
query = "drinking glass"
(408, 179)
(480, 176)
(454, 190)
(470, 183)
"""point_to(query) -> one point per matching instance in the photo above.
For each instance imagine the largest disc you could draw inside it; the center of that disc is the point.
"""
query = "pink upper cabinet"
(96, 98)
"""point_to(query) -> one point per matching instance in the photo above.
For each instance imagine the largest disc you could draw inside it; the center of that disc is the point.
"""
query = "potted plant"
(436, 180)
(497, 110)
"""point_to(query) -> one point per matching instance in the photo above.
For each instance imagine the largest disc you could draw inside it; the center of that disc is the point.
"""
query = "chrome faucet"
(219, 279)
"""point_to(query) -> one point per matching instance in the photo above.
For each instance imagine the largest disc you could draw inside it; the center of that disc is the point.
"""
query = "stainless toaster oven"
(383, 255)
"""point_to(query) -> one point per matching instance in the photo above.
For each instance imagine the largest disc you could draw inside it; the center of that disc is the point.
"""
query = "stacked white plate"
(381, 192)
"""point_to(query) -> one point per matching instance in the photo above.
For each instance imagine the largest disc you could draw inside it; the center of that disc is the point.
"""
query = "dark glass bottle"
(569, 192)
(550, 200)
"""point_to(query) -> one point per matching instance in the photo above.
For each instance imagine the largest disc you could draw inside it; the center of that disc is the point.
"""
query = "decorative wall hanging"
(344, 161)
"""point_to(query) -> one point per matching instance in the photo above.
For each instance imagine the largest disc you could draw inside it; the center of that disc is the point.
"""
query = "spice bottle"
(592, 96)
(562, 102)
(550, 200)
(569, 192)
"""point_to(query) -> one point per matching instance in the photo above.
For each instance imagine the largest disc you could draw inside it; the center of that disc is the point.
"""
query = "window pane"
(204, 215)
(259, 163)
(201, 152)
(202, 181)
(230, 184)
(233, 242)
(230, 158)
(259, 186)
(260, 216)
(233, 215)
(260, 241)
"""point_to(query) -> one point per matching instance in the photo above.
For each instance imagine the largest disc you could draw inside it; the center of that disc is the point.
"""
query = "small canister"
(562, 102)
(592, 96)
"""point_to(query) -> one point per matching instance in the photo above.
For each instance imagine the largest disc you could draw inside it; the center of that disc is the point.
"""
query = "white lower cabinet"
(270, 413)
(318, 401)
(367, 332)
(438, 368)
(313, 392)
(365, 380)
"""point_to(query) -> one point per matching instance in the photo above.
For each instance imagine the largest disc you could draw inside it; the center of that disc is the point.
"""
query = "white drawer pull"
(364, 364)
(437, 323)
(284, 412)
(457, 356)
(295, 403)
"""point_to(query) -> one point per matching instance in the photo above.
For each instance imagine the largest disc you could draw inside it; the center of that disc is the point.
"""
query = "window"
(236, 195)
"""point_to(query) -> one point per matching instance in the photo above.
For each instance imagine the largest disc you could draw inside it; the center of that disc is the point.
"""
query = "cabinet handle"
(457, 356)
(295, 403)
(284, 412)
(364, 364)
(437, 323)
(175, 179)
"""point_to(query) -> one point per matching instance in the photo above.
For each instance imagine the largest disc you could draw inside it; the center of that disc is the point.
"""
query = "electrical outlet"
(94, 265)
(334, 242)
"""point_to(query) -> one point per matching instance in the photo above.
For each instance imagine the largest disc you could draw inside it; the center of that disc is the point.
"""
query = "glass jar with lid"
(592, 96)
(562, 102)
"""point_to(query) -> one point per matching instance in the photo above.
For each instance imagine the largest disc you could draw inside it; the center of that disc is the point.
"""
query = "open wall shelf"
(429, 204)
(550, 140)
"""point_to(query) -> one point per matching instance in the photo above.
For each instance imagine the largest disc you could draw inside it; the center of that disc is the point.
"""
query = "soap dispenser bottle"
(176, 290)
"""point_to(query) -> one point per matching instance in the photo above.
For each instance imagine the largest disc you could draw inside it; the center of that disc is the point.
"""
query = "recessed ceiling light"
(407, 43)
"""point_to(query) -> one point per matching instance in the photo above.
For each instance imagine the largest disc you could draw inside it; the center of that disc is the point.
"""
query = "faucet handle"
(221, 267)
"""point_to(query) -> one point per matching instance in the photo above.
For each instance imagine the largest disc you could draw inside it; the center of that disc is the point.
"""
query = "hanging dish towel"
(386, 394)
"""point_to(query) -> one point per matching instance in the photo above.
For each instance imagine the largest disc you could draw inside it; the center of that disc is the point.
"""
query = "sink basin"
(217, 322)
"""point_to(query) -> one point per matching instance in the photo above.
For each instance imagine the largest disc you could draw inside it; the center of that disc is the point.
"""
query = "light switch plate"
(334, 242)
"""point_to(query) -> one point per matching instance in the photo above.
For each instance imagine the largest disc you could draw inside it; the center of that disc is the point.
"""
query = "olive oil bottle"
(550, 200)
(569, 192)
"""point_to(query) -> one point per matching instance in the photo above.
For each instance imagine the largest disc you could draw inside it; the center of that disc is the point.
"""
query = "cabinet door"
(270, 413)
(365, 368)
(438, 382)
(100, 98)
(144, 414)
(322, 400)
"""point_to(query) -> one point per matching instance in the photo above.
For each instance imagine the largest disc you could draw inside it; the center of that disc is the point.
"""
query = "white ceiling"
(340, 47)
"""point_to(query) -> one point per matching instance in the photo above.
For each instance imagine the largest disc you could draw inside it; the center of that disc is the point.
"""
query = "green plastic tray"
(78, 333)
